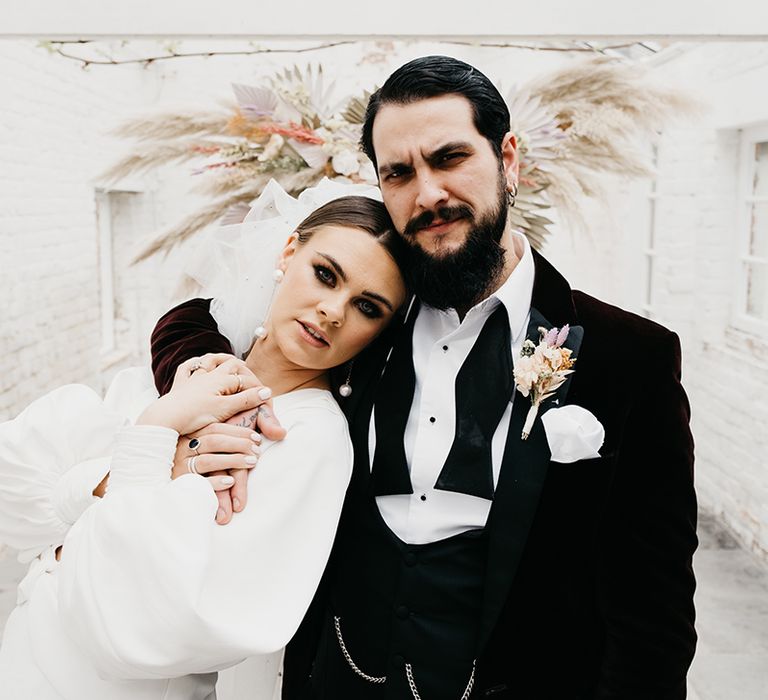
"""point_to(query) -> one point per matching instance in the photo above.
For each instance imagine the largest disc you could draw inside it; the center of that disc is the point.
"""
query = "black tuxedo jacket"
(589, 586)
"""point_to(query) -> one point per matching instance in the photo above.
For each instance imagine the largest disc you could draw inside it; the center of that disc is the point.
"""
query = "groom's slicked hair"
(434, 76)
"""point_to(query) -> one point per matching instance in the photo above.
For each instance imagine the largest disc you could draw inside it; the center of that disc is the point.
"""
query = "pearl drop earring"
(345, 389)
(261, 331)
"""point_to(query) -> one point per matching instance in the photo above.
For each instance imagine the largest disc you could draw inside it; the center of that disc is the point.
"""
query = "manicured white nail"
(265, 392)
(256, 438)
(227, 480)
(256, 449)
(251, 460)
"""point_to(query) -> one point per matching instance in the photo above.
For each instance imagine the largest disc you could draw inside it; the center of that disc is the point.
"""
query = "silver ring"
(191, 466)
(239, 383)
(196, 365)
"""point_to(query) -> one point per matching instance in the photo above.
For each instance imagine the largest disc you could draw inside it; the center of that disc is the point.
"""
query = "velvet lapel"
(525, 462)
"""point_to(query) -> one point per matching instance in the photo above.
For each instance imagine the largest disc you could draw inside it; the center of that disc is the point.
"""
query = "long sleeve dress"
(151, 597)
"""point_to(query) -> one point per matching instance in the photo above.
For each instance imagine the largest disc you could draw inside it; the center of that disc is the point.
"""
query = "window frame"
(649, 249)
(749, 137)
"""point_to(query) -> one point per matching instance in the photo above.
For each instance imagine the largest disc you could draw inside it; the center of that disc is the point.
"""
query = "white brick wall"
(725, 371)
(52, 143)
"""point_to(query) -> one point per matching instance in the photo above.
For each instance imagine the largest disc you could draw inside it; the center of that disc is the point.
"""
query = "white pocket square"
(573, 433)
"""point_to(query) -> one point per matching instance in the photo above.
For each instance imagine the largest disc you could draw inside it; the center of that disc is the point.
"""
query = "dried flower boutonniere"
(541, 369)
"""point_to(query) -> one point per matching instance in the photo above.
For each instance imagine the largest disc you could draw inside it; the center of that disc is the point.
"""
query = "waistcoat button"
(402, 612)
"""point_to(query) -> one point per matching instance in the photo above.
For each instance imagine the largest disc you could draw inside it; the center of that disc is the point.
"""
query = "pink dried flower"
(550, 336)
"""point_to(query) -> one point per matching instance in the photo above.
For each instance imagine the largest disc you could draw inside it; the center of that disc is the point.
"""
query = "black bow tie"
(483, 389)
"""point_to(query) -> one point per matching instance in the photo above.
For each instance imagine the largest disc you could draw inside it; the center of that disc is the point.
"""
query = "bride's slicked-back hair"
(435, 76)
(361, 213)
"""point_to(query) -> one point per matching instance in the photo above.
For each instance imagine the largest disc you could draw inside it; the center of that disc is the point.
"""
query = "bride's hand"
(199, 398)
(223, 453)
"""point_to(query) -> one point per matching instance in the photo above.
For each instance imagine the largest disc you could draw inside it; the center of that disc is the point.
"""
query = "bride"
(139, 594)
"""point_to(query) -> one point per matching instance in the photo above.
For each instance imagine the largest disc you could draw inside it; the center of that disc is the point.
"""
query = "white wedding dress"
(151, 597)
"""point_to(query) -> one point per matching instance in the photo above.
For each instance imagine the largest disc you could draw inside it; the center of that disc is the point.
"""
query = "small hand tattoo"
(248, 421)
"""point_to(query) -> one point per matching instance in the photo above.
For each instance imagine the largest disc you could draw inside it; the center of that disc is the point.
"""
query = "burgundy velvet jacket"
(590, 584)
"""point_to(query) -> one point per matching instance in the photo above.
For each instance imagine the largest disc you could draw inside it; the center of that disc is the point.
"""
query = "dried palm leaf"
(355, 110)
(255, 101)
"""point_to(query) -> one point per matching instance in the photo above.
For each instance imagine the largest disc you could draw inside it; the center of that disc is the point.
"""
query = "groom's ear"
(510, 159)
(288, 251)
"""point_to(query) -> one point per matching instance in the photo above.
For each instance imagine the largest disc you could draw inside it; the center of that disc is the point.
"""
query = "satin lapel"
(524, 469)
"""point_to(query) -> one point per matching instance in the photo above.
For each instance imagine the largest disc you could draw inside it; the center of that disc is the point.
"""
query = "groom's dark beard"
(461, 278)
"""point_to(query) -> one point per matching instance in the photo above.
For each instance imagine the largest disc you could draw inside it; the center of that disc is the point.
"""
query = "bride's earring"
(261, 331)
(346, 388)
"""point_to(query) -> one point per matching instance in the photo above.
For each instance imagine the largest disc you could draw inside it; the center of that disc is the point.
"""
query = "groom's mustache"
(445, 214)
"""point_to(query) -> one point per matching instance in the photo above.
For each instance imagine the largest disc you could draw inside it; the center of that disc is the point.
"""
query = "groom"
(470, 562)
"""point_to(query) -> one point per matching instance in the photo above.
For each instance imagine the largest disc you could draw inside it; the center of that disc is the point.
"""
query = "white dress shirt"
(441, 344)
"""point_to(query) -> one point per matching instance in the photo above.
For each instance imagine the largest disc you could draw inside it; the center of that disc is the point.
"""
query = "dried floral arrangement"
(572, 126)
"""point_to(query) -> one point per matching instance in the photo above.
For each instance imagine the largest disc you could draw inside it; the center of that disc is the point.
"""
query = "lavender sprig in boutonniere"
(541, 369)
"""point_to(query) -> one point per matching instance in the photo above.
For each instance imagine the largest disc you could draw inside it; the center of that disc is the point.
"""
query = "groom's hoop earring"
(346, 388)
(512, 194)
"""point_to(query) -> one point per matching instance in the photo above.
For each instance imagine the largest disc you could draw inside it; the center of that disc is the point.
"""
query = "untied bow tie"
(483, 389)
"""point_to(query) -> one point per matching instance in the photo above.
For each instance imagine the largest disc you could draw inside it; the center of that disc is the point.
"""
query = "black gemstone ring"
(194, 443)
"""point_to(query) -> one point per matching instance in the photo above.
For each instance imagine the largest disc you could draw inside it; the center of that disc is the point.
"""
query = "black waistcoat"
(396, 604)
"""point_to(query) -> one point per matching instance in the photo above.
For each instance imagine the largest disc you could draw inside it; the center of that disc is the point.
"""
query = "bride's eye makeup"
(367, 303)
(368, 308)
(325, 275)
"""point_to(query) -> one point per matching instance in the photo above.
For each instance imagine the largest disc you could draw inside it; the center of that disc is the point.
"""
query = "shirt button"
(445, 348)
(423, 497)
(432, 419)
(402, 612)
